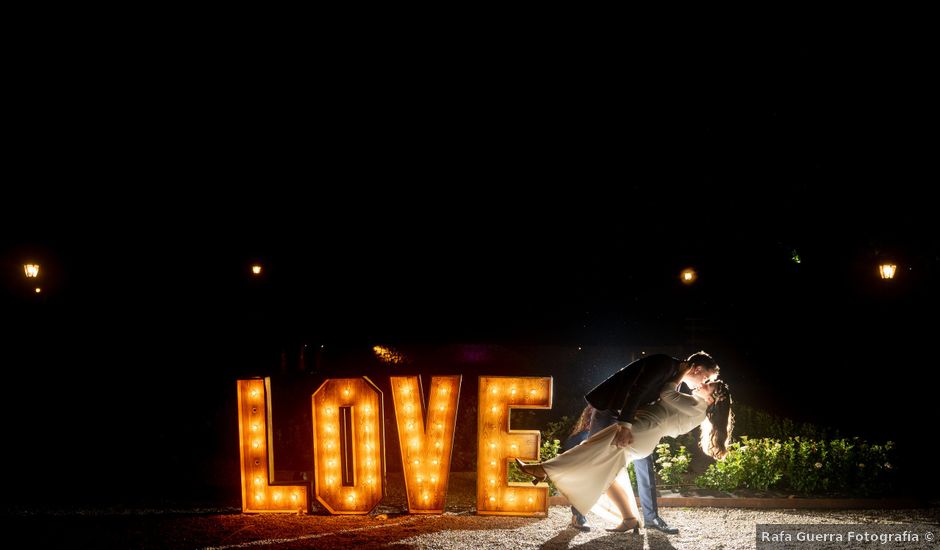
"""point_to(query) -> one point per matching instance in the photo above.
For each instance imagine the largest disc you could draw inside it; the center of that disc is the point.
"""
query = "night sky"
(428, 206)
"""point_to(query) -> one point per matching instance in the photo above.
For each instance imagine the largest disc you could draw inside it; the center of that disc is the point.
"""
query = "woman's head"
(719, 420)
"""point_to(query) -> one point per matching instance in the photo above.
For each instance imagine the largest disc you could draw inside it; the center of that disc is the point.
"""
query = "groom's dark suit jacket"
(633, 386)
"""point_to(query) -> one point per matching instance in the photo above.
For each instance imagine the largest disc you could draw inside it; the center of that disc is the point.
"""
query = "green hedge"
(806, 466)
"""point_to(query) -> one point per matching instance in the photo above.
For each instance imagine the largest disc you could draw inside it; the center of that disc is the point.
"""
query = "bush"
(807, 466)
(672, 466)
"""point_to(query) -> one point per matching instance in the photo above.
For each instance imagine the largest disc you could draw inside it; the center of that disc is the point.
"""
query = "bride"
(585, 472)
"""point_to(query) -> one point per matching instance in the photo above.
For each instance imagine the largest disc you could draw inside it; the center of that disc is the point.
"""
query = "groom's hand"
(623, 437)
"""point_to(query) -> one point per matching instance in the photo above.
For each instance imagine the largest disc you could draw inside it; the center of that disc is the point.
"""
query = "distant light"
(388, 355)
(887, 270)
(688, 276)
(38, 290)
(32, 270)
(795, 256)
(256, 269)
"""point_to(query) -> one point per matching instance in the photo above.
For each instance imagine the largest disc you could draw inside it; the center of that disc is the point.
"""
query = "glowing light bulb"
(443, 391)
(255, 393)
(440, 425)
(493, 463)
(513, 391)
(366, 409)
(494, 409)
(531, 500)
(441, 408)
(417, 462)
(433, 479)
(492, 444)
(294, 496)
(495, 390)
(408, 408)
(255, 427)
(411, 425)
(256, 444)
(425, 496)
(258, 480)
(259, 496)
(371, 481)
(329, 445)
(419, 479)
(346, 391)
(437, 444)
(329, 410)
(329, 429)
(277, 497)
(492, 481)
(533, 392)
(332, 463)
(434, 462)
(492, 499)
(405, 390)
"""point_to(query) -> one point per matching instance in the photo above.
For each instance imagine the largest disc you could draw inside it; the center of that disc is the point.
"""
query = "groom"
(617, 400)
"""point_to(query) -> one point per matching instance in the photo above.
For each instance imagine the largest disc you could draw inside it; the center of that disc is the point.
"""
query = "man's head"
(701, 369)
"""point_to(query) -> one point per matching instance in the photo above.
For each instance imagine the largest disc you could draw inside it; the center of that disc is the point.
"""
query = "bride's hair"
(718, 423)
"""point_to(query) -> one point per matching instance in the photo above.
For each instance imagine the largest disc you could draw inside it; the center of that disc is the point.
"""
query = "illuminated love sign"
(349, 445)
(497, 445)
(259, 492)
(426, 447)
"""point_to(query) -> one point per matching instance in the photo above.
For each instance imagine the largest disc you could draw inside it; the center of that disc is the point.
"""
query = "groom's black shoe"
(659, 524)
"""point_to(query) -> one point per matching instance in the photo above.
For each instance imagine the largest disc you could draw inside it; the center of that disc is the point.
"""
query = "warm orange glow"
(497, 444)
(259, 493)
(688, 276)
(388, 355)
(887, 270)
(348, 445)
(256, 269)
(32, 270)
(426, 485)
(38, 290)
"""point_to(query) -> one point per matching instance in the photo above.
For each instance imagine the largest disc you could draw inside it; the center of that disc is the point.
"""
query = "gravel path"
(724, 528)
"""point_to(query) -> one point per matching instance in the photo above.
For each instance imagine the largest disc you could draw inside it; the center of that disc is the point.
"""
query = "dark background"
(482, 211)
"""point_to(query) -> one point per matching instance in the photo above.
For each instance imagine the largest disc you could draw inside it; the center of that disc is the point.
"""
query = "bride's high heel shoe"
(527, 468)
(628, 524)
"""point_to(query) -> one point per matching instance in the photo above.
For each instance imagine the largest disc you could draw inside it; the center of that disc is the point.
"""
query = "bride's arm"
(686, 404)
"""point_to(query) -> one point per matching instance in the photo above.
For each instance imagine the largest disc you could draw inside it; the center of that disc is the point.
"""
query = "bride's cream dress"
(585, 472)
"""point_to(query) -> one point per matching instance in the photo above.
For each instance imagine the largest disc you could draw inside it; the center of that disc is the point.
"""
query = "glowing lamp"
(887, 271)
(688, 276)
(260, 494)
(349, 460)
(426, 486)
(498, 443)
(256, 269)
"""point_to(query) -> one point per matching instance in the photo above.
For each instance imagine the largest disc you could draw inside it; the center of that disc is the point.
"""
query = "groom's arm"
(644, 388)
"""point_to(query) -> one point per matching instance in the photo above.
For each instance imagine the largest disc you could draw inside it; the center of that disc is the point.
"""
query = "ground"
(459, 528)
